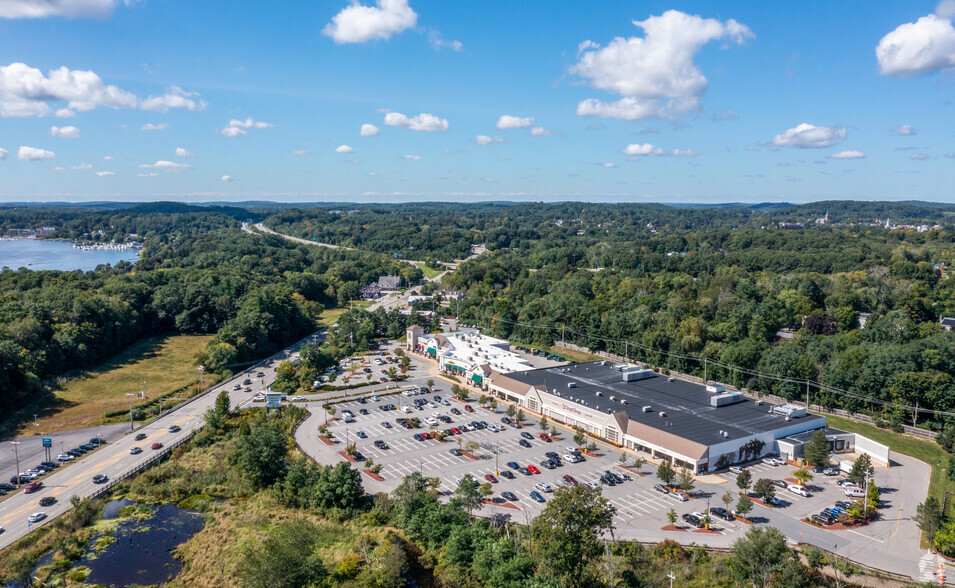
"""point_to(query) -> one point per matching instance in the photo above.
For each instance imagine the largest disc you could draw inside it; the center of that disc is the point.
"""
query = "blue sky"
(750, 102)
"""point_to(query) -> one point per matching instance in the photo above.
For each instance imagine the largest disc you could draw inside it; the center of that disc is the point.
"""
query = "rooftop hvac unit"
(758, 403)
(670, 379)
(609, 411)
(571, 384)
(612, 398)
(623, 401)
(715, 388)
(726, 399)
(663, 414)
(598, 393)
(634, 375)
(647, 409)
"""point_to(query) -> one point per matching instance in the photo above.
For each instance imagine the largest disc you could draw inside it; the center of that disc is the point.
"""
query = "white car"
(298, 398)
(407, 392)
(375, 399)
(593, 485)
(773, 461)
(36, 517)
(431, 421)
(571, 458)
(435, 414)
(432, 405)
(736, 470)
(543, 487)
(65, 457)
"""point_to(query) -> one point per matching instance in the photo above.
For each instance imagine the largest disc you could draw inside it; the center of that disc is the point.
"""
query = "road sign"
(273, 400)
(48, 442)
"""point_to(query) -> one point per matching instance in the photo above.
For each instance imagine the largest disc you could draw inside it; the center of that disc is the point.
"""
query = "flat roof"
(803, 438)
(687, 405)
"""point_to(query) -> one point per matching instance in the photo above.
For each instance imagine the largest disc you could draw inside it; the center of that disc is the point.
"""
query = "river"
(42, 254)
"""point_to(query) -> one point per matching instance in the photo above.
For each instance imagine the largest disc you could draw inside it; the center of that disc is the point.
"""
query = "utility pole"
(144, 389)
(130, 397)
(705, 380)
(672, 577)
(807, 394)
(202, 369)
(16, 452)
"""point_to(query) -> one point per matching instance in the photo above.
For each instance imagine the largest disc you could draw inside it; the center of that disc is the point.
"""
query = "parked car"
(678, 496)
(490, 478)
(526, 435)
(507, 474)
(546, 438)
(468, 408)
(823, 519)
(570, 480)
(65, 457)
(736, 470)
(510, 496)
(513, 465)
(533, 469)
(831, 471)
(780, 483)
(537, 496)
(455, 452)
(524, 443)
(361, 435)
(661, 488)
(721, 512)
(524, 471)
(692, 519)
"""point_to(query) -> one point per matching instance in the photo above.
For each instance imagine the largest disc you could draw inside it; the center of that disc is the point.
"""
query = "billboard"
(273, 400)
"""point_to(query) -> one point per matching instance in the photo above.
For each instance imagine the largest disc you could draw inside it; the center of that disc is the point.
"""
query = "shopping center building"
(466, 354)
(704, 427)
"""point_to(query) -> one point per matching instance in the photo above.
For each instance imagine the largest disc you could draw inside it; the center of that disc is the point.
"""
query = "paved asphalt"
(31, 453)
(114, 459)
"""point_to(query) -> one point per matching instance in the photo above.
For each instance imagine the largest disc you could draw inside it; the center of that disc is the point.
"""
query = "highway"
(114, 459)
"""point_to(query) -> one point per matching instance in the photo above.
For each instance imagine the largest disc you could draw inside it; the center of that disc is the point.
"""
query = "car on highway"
(490, 478)
(135, 450)
(36, 517)
(47, 501)
(174, 428)
(156, 445)
(524, 443)
(526, 435)
(510, 496)
(32, 487)
(99, 479)
(139, 437)
(537, 496)
(65, 457)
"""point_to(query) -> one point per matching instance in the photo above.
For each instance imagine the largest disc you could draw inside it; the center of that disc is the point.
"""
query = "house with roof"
(948, 323)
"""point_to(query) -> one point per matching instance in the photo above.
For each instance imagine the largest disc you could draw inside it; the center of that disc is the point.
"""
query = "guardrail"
(155, 458)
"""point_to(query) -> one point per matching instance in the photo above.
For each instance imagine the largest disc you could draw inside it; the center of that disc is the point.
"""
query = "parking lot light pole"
(202, 369)
(16, 452)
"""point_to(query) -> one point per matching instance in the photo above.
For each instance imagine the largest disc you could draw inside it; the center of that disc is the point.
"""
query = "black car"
(455, 452)
(50, 465)
(5, 486)
(507, 474)
(524, 443)
(524, 471)
(75, 452)
(386, 425)
(140, 436)
(551, 455)
(526, 435)
(510, 496)
(363, 411)
(608, 480)
(362, 400)
(174, 428)
(721, 512)
(47, 501)
(692, 519)
(99, 479)
(505, 420)
(823, 519)
(549, 464)
(97, 441)
(88, 446)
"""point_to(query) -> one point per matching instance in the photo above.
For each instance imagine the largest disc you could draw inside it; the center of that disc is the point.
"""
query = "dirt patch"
(501, 505)
(468, 454)
(348, 458)
(744, 520)
(326, 440)
(633, 471)
(673, 528)
(708, 531)
(373, 475)
(761, 502)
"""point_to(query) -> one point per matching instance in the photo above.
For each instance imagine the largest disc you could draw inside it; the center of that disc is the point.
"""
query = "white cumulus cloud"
(64, 113)
(236, 127)
(540, 131)
(34, 154)
(514, 122)
(65, 8)
(654, 74)
(152, 127)
(175, 97)
(166, 166)
(105, 173)
(344, 149)
(82, 166)
(359, 23)
(300, 153)
(411, 157)
(423, 122)
(3, 153)
(636, 149)
(918, 156)
(807, 136)
(921, 47)
(226, 178)
(368, 130)
(906, 130)
(65, 132)
(180, 152)
(487, 140)
(26, 91)
(847, 155)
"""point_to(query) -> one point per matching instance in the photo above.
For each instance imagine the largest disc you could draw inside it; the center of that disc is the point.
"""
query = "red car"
(32, 487)
(468, 408)
(156, 446)
(490, 478)
(570, 480)
(533, 469)
(426, 435)
(456, 431)
(545, 437)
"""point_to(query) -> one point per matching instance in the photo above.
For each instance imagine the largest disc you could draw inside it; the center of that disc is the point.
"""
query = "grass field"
(923, 450)
(428, 272)
(166, 364)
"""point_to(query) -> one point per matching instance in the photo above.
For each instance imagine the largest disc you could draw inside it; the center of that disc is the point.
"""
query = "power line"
(490, 319)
